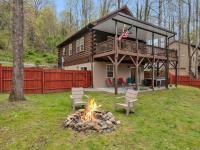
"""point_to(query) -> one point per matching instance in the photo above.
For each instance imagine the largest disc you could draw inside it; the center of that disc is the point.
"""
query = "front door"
(133, 74)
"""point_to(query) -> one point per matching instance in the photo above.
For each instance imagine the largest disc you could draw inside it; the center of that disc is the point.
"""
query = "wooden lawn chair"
(77, 98)
(130, 99)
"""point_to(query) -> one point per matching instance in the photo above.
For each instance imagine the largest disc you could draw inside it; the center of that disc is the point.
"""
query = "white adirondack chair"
(130, 99)
(77, 98)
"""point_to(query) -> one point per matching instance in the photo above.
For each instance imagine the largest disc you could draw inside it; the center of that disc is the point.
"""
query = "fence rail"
(185, 80)
(38, 80)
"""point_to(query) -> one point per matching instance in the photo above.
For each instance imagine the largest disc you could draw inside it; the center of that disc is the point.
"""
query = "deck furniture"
(158, 81)
(77, 98)
(130, 81)
(109, 82)
(130, 99)
(121, 81)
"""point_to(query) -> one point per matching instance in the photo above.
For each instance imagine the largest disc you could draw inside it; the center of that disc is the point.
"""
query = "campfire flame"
(89, 112)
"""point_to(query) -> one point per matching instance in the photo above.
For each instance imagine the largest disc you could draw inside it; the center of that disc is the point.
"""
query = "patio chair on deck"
(130, 99)
(77, 98)
(109, 82)
(130, 81)
(121, 81)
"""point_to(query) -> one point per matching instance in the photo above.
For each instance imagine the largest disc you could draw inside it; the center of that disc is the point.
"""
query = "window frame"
(80, 45)
(63, 51)
(77, 46)
(83, 68)
(70, 49)
(109, 71)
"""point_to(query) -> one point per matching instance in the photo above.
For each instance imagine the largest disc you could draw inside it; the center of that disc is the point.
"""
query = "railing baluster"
(128, 45)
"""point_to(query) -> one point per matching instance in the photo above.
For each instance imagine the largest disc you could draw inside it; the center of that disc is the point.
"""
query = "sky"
(60, 5)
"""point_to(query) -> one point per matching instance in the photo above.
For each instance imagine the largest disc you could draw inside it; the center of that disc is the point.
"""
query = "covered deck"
(146, 45)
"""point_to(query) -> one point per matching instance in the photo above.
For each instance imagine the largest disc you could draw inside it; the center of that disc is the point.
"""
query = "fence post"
(86, 78)
(43, 84)
(1, 78)
(73, 78)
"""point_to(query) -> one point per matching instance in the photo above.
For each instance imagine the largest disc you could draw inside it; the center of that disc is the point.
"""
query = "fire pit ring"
(91, 119)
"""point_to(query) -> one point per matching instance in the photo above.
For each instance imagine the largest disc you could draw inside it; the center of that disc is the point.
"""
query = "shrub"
(51, 59)
(38, 62)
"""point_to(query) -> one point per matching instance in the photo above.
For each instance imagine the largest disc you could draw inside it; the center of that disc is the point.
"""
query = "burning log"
(90, 119)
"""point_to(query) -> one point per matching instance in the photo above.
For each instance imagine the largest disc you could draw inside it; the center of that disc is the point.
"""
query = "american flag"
(123, 35)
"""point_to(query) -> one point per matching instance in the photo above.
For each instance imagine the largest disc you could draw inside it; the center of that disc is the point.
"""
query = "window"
(84, 68)
(63, 51)
(109, 71)
(77, 46)
(80, 45)
(70, 49)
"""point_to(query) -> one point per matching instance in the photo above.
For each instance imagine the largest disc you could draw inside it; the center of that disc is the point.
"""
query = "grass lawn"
(168, 119)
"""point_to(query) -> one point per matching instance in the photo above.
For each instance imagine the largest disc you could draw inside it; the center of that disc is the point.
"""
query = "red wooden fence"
(182, 80)
(46, 80)
(185, 80)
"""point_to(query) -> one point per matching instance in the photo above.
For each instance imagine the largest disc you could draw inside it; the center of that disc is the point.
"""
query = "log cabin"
(97, 47)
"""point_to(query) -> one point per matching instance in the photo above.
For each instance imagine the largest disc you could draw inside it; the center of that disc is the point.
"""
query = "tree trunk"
(17, 93)
(179, 34)
(160, 18)
(119, 4)
(189, 40)
(197, 41)
(146, 11)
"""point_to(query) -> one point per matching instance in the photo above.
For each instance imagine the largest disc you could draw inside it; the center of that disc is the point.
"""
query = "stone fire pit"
(104, 122)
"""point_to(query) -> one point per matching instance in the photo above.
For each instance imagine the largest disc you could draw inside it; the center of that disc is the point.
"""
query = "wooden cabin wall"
(81, 57)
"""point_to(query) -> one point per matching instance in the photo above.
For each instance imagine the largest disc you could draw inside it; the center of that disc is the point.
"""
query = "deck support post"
(153, 74)
(115, 75)
(167, 64)
(157, 72)
(153, 61)
(176, 74)
(137, 75)
(116, 60)
(137, 59)
(93, 39)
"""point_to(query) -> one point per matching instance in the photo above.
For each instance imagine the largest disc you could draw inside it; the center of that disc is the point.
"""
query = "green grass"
(168, 119)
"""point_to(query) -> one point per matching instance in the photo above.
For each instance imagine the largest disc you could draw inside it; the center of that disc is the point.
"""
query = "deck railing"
(105, 46)
(128, 45)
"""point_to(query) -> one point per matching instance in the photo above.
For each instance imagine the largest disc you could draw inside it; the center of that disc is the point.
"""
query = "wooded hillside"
(45, 26)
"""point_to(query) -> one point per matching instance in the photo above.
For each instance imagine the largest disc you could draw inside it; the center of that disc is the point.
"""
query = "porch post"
(166, 63)
(116, 59)
(153, 61)
(176, 74)
(137, 59)
(157, 73)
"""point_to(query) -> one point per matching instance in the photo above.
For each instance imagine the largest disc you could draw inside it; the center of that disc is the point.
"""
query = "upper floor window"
(63, 51)
(77, 46)
(80, 45)
(70, 49)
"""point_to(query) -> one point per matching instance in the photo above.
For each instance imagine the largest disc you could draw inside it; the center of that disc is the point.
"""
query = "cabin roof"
(123, 16)
(123, 9)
